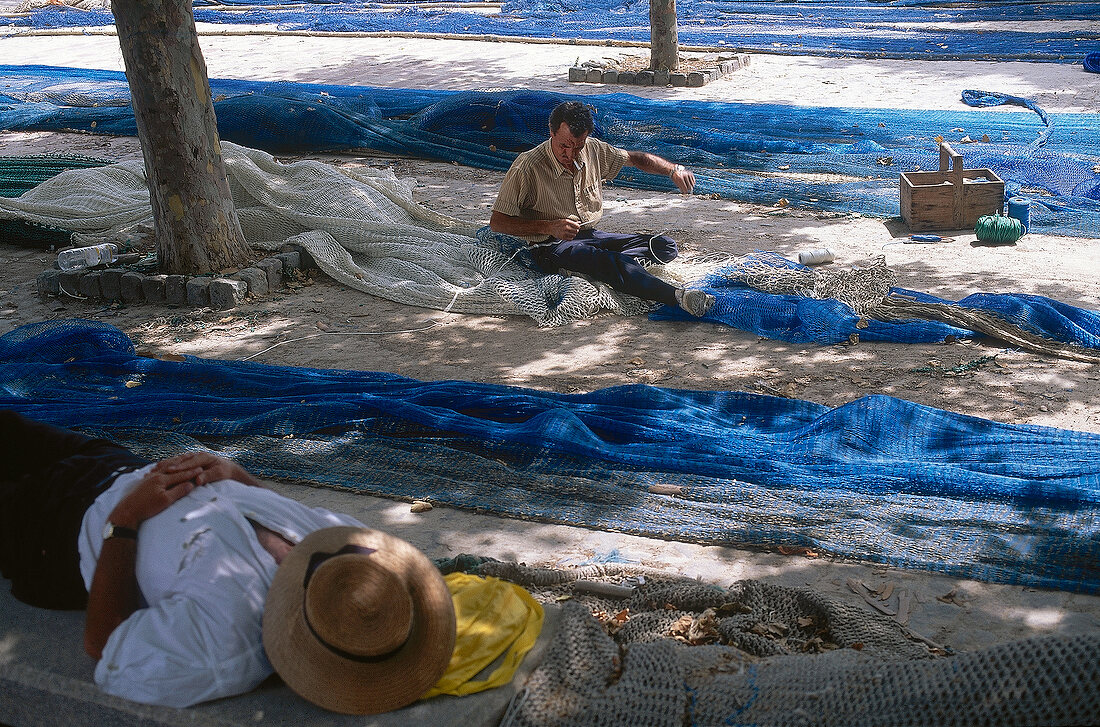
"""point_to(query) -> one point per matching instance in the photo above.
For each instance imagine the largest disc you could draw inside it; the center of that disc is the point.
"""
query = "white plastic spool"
(816, 257)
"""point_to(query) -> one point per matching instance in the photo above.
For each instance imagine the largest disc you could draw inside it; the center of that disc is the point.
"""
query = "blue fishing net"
(878, 479)
(759, 153)
(801, 319)
(927, 29)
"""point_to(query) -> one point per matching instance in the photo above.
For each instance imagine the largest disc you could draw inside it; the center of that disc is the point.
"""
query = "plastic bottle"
(78, 258)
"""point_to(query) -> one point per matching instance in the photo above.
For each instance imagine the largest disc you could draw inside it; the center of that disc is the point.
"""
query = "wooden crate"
(952, 198)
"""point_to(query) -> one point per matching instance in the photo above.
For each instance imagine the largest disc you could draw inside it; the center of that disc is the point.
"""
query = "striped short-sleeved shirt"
(537, 187)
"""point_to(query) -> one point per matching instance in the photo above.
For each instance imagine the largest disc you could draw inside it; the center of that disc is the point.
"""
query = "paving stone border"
(221, 292)
(593, 72)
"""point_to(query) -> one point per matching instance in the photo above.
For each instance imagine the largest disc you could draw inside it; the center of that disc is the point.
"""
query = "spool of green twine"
(998, 229)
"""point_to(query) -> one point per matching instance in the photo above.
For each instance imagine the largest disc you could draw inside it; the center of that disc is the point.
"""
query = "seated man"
(552, 197)
(177, 556)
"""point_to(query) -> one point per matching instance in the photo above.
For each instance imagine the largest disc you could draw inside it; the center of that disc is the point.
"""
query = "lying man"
(177, 557)
(552, 197)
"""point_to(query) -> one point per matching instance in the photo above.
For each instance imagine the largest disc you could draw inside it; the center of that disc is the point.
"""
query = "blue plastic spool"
(1020, 209)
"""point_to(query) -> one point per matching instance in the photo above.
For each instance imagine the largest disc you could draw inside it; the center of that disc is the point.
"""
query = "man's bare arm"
(509, 225)
(114, 593)
(683, 178)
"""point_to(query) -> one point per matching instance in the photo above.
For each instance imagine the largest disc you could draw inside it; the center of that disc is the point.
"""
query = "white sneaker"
(696, 302)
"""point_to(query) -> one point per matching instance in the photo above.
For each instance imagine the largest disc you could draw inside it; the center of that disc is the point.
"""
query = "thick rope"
(998, 230)
(896, 307)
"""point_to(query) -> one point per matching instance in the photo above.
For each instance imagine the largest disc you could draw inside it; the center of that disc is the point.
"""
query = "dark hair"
(573, 113)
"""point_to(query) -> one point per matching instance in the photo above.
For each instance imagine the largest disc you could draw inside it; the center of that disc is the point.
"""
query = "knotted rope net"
(682, 652)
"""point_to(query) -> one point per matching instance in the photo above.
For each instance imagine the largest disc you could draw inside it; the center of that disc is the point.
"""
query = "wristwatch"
(110, 530)
(677, 168)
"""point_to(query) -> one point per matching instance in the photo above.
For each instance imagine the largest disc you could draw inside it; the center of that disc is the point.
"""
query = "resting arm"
(213, 468)
(653, 164)
(114, 592)
(509, 225)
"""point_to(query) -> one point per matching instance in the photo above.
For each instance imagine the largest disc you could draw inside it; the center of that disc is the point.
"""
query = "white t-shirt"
(204, 577)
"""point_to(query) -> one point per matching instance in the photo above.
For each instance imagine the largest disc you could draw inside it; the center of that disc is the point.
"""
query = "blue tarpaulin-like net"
(835, 159)
(927, 29)
(826, 321)
(879, 479)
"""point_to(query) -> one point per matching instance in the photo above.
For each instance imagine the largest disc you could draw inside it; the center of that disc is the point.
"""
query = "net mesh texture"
(363, 228)
(681, 652)
(921, 29)
(831, 159)
(955, 494)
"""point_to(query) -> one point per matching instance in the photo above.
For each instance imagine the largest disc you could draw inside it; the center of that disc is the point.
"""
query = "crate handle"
(956, 162)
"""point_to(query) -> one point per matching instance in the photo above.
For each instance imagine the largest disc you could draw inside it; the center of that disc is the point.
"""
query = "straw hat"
(358, 621)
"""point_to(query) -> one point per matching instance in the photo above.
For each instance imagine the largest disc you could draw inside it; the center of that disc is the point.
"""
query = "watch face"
(110, 530)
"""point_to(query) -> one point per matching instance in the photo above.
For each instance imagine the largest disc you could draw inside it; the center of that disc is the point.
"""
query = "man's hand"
(684, 179)
(153, 495)
(211, 468)
(564, 229)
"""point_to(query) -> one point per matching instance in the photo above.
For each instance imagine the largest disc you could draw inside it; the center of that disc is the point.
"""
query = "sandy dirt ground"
(324, 325)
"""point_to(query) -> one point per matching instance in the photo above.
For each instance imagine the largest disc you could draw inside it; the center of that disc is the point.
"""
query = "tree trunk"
(664, 47)
(196, 223)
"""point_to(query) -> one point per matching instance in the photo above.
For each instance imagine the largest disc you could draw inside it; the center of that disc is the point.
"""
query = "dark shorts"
(51, 477)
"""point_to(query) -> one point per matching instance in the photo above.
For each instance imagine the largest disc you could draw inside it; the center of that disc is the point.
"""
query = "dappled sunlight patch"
(567, 360)
(213, 334)
(8, 644)
(815, 234)
(1038, 619)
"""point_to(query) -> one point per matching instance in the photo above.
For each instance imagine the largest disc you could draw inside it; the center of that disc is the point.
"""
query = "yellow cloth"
(493, 617)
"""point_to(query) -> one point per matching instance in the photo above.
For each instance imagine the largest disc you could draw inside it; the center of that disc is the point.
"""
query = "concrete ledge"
(226, 293)
(110, 284)
(595, 72)
(154, 288)
(88, 285)
(48, 283)
(46, 680)
(118, 284)
(198, 292)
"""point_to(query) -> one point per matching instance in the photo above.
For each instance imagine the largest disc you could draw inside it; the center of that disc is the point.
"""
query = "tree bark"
(664, 47)
(196, 223)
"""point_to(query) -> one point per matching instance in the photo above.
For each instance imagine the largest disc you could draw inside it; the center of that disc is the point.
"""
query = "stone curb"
(722, 69)
(223, 292)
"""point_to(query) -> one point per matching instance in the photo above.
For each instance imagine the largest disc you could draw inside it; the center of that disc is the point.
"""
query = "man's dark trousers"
(611, 258)
(49, 479)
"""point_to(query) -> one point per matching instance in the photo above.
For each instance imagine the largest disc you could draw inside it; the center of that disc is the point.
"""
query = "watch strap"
(117, 531)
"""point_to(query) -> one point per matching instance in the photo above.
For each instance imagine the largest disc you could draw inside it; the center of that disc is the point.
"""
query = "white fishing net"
(861, 286)
(361, 226)
(682, 652)
(28, 5)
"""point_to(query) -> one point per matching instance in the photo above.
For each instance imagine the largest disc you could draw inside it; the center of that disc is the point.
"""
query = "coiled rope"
(998, 229)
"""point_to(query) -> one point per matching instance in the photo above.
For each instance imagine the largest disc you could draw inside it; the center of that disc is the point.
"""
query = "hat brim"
(344, 684)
